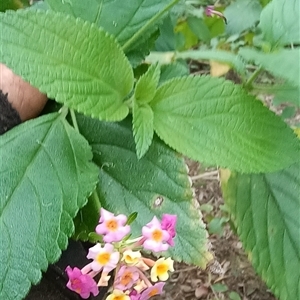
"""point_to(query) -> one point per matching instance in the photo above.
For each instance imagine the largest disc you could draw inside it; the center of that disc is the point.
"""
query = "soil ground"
(231, 276)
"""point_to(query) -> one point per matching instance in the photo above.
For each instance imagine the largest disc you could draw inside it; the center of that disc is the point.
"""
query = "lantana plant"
(119, 256)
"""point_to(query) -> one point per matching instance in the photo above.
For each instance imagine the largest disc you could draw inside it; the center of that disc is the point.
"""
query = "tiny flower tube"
(126, 278)
(113, 228)
(155, 237)
(152, 291)
(103, 281)
(210, 12)
(161, 268)
(82, 284)
(168, 223)
(105, 258)
(118, 295)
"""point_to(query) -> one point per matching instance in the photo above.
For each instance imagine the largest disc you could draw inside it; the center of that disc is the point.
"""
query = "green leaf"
(242, 15)
(87, 217)
(279, 22)
(219, 55)
(167, 38)
(265, 209)
(137, 55)
(216, 225)
(13, 4)
(128, 17)
(45, 177)
(156, 184)
(131, 218)
(120, 18)
(283, 93)
(175, 69)
(234, 296)
(146, 86)
(70, 60)
(199, 28)
(281, 63)
(142, 123)
(219, 287)
(286, 93)
(217, 122)
(89, 10)
(215, 25)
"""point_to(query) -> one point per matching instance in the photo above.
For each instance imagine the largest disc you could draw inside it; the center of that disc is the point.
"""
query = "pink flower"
(126, 278)
(168, 223)
(113, 228)
(82, 284)
(152, 291)
(155, 237)
(105, 258)
(134, 295)
(210, 12)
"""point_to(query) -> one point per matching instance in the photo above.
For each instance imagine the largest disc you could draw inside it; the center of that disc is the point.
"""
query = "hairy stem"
(152, 21)
(74, 121)
(248, 84)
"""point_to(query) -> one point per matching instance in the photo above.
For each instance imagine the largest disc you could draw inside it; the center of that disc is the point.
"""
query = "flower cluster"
(122, 257)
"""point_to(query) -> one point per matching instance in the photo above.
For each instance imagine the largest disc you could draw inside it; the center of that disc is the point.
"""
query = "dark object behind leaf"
(9, 117)
(53, 283)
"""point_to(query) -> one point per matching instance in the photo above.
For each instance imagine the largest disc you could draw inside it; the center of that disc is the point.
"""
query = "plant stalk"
(248, 84)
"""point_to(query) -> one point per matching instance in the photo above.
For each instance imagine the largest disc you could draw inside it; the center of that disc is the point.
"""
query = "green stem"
(74, 121)
(95, 200)
(153, 20)
(248, 84)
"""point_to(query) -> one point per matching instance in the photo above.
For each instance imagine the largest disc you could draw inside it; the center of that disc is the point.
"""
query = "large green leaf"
(70, 60)
(128, 17)
(45, 177)
(156, 184)
(120, 18)
(284, 63)
(279, 22)
(266, 210)
(217, 122)
(242, 15)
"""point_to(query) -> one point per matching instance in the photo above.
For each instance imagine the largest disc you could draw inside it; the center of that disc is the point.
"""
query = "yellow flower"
(118, 295)
(131, 257)
(161, 268)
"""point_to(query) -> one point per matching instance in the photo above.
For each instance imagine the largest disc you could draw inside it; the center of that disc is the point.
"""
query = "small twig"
(248, 84)
(206, 175)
